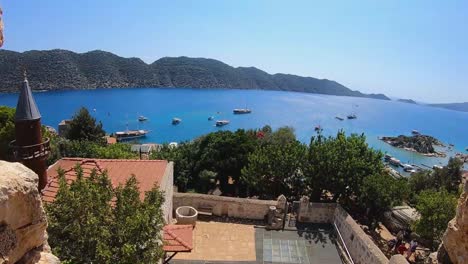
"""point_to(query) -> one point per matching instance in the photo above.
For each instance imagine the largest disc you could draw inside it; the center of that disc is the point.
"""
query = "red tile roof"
(147, 172)
(178, 238)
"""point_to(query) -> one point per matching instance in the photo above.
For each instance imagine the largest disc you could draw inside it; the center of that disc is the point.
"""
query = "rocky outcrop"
(455, 239)
(23, 237)
(419, 143)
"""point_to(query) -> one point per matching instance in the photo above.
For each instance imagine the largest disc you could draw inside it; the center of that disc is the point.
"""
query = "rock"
(22, 218)
(419, 143)
(455, 239)
(41, 255)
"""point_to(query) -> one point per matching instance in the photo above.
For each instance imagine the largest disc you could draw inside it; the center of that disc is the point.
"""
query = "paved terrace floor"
(216, 242)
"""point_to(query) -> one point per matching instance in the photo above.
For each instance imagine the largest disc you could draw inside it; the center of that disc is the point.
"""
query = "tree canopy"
(7, 130)
(436, 208)
(84, 127)
(92, 222)
(338, 165)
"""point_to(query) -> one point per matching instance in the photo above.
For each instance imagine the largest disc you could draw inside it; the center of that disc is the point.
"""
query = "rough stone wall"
(361, 248)
(225, 206)
(455, 239)
(167, 187)
(23, 222)
(315, 212)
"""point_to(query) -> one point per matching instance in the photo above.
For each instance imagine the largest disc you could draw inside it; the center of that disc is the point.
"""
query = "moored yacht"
(176, 121)
(352, 116)
(394, 162)
(142, 118)
(130, 134)
(239, 111)
(220, 123)
(387, 157)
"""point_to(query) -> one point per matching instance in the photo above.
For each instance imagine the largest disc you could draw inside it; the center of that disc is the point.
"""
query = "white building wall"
(167, 183)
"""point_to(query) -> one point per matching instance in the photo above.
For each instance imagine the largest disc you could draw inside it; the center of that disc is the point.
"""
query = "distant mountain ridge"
(454, 106)
(63, 69)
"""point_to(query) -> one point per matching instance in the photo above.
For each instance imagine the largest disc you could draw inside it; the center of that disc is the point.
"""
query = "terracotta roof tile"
(147, 172)
(178, 238)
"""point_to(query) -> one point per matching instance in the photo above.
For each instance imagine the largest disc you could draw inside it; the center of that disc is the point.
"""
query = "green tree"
(91, 222)
(436, 208)
(449, 177)
(7, 130)
(379, 192)
(338, 165)
(90, 149)
(276, 168)
(84, 127)
(207, 180)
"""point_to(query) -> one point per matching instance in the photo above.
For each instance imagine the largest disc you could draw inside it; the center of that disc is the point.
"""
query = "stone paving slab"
(234, 243)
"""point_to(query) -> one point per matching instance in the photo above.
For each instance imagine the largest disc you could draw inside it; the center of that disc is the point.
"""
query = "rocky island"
(422, 144)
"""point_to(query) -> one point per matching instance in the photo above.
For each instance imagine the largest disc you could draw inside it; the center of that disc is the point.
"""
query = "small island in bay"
(422, 144)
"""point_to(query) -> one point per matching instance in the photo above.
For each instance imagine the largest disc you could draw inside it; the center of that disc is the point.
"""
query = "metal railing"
(343, 243)
(40, 150)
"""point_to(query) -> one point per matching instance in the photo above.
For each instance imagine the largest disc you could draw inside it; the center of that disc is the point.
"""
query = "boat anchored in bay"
(176, 121)
(221, 123)
(130, 134)
(239, 111)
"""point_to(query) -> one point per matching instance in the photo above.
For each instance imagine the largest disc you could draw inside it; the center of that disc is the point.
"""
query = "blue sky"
(409, 49)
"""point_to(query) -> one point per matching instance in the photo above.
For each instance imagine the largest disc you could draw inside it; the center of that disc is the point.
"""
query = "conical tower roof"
(26, 109)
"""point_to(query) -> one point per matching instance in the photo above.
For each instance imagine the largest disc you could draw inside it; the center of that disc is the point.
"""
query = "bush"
(92, 222)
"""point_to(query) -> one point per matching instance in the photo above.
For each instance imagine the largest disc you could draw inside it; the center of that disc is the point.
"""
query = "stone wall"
(225, 206)
(361, 248)
(23, 237)
(167, 187)
(455, 239)
(315, 212)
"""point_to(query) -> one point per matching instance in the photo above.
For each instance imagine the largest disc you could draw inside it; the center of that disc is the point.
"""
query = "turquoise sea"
(117, 107)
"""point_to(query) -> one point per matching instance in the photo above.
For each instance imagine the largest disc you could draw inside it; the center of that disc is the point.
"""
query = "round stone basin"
(186, 215)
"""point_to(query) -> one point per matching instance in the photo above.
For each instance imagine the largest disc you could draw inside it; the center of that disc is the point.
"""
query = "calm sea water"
(117, 107)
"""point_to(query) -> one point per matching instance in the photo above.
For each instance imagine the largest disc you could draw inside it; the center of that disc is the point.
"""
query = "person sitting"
(401, 249)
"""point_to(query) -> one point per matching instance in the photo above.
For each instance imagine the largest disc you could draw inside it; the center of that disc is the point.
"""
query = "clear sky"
(408, 49)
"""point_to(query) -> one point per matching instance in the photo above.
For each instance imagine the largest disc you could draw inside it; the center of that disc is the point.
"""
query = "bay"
(375, 118)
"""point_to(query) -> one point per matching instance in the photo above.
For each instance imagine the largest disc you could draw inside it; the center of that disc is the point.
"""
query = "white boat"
(408, 167)
(142, 118)
(352, 116)
(415, 132)
(210, 118)
(221, 123)
(239, 111)
(176, 121)
(394, 162)
(130, 134)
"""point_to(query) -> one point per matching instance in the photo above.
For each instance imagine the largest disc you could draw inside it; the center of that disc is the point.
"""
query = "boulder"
(22, 218)
(455, 239)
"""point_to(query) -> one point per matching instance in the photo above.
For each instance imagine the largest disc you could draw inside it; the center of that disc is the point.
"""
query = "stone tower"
(28, 146)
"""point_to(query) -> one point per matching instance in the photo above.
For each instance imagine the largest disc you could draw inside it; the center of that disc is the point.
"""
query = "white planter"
(186, 215)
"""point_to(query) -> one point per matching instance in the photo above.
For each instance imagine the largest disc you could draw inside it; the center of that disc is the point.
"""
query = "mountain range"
(62, 69)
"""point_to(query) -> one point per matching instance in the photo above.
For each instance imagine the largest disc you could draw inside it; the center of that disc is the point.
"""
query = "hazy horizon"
(409, 50)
